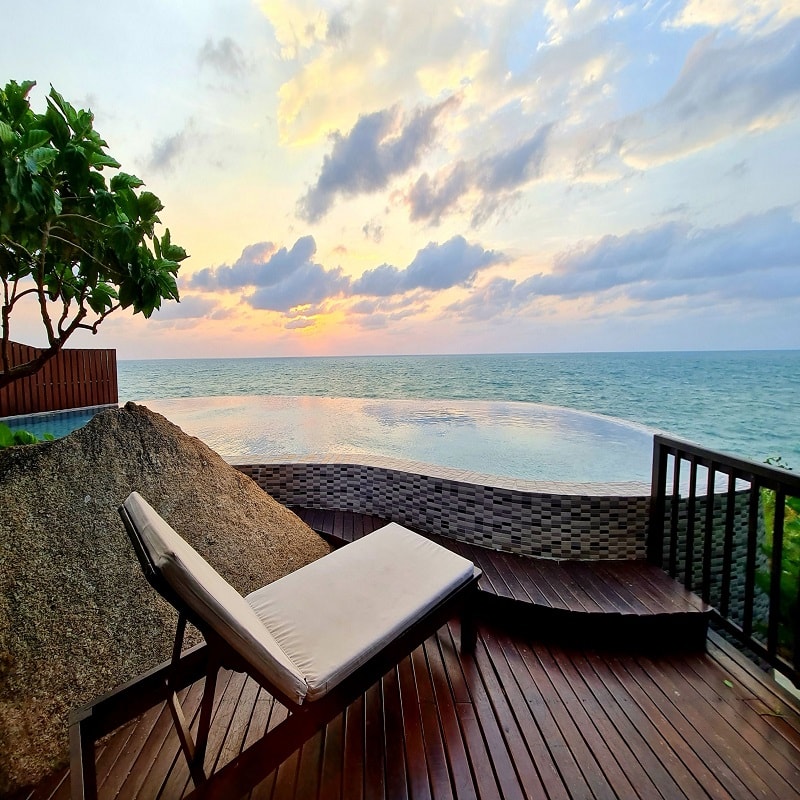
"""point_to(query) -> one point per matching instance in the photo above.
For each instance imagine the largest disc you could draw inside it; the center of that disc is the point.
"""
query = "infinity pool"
(517, 440)
(508, 439)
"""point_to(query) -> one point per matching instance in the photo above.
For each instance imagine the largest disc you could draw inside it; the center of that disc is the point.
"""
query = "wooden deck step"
(620, 602)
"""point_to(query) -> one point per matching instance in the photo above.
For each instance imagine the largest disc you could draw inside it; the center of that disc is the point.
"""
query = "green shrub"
(790, 562)
(9, 438)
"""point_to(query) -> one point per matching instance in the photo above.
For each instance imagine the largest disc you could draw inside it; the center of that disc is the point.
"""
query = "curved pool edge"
(534, 518)
(576, 488)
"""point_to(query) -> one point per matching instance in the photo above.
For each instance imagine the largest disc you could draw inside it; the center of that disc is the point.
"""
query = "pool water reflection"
(515, 440)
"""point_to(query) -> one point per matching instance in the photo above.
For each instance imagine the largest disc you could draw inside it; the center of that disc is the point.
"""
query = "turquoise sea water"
(744, 403)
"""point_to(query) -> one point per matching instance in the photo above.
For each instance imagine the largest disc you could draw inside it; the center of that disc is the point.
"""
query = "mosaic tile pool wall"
(538, 519)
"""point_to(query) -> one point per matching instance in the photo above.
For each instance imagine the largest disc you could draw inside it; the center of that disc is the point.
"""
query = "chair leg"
(194, 750)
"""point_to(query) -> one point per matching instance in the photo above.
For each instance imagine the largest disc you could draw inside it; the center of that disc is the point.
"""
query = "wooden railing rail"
(71, 379)
(707, 528)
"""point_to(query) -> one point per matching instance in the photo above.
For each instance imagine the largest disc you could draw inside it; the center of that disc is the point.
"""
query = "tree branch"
(78, 247)
(84, 218)
(15, 298)
(11, 374)
(17, 246)
(48, 323)
(93, 327)
(5, 346)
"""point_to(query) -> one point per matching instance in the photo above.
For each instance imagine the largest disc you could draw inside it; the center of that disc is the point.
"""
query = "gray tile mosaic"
(553, 520)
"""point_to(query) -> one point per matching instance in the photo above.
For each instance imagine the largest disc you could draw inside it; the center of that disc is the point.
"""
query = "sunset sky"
(436, 177)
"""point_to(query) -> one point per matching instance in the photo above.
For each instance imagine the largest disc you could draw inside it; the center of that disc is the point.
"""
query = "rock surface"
(77, 617)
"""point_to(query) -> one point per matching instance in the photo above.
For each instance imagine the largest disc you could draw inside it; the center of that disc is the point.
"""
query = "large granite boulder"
(77, 617)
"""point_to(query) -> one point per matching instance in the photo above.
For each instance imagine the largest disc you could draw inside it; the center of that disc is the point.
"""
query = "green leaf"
(39, 158)
(58, 127)
(124, 181)
(149, 205)
(35, 138)
(6, 133)
(16, 96)
(64, 107)
(100, 160)
(102, 297)
(6, 436)
(24, 437)
(172, 252)
(728, 683)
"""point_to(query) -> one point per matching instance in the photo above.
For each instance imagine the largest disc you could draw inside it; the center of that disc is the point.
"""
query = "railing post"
(776, 568)
(658, 506)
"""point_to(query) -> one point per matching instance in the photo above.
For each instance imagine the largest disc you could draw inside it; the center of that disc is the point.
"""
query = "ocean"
(741, 403)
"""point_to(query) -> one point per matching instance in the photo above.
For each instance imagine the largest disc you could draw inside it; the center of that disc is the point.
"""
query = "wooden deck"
(602, 601)
(523, 717)
(519, 719)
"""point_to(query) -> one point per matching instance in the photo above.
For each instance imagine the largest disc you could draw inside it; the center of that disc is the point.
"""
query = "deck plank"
(330, 787)
(396, 765)
(418, 783)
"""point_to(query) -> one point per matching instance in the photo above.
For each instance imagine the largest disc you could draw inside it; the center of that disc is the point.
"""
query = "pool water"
(509, 439)
(56, 423)
(518, 440)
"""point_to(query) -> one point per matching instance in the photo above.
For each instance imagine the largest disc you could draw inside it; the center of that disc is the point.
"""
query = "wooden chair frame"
(163, 683)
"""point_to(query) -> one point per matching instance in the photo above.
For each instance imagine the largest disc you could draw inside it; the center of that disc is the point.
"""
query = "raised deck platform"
(605, 602)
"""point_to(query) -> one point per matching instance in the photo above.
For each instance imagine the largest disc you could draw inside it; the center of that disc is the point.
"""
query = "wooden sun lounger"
(315, 639)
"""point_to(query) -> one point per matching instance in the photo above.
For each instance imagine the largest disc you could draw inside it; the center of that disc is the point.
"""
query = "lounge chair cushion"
(213, 599)
(332, 615)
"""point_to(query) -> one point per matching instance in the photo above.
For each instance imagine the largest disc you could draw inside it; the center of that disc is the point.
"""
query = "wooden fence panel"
(74, 378)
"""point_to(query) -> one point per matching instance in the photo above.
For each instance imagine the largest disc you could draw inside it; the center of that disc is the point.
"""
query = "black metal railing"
(717, 524)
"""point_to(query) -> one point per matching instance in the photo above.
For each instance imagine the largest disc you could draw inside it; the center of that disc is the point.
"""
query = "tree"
(79, 247)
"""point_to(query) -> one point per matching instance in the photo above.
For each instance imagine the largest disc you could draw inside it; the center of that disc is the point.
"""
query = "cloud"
(728, 86)
(167, 153)
(497, 296)
(299, 323)
(435, 267)
(755, 14)
(338, 27)
(283, 279)
(679, 251)
(226, 57)
(379, 147)
(298, 26)
(260, 264)
(190, 307)
(430, 198)
(307, 284)
(373, 231)
(346, 60)
(493, 177)
(755, 257)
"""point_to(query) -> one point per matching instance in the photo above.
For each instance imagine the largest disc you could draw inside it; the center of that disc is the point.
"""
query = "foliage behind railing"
(726, 527)
(71, 379)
